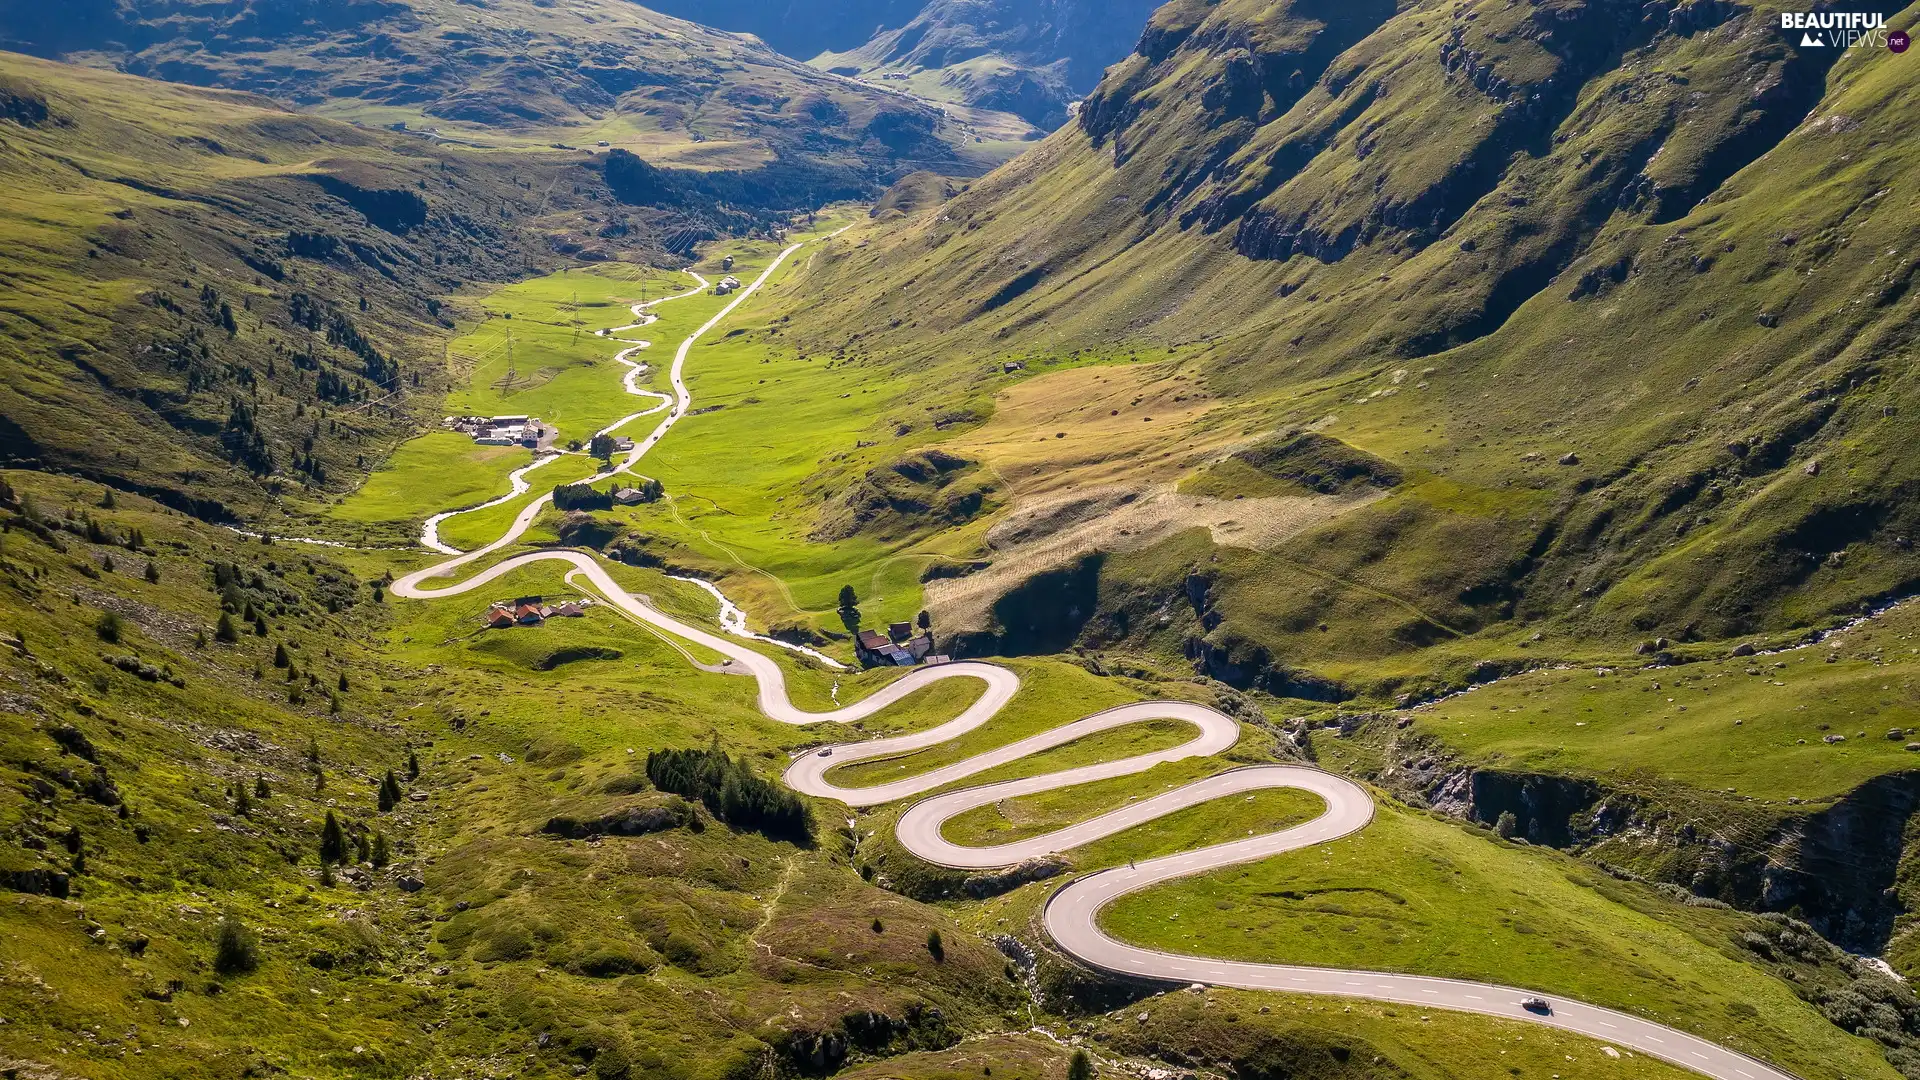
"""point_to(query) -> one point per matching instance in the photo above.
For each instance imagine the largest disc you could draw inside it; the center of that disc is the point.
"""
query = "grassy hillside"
(515, 74)
(1028, 59)
(530, 898)
(1596, 287)
(219, 302)
(475, 924)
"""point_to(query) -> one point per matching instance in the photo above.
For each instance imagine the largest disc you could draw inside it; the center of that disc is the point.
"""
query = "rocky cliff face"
(1839, 867)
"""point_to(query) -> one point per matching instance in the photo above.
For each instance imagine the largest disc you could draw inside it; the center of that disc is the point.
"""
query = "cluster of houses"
(532, 611)
(512, 430)
(726, 285)
(898, 647)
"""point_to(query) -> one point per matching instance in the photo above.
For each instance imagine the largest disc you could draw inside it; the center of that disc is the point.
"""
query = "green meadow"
(740, 502)
(1410, 893)
(1755, 726)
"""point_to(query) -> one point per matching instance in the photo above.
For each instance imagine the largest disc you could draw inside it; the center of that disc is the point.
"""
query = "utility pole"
(510, 372)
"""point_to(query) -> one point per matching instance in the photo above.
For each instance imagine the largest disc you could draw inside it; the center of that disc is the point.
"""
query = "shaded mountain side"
(509, 72)
(223, 304)
(799, 28)
(1621, 289)
(1026, 58)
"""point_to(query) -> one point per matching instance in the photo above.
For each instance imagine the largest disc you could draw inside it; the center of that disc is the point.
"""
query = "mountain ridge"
(1453, 199)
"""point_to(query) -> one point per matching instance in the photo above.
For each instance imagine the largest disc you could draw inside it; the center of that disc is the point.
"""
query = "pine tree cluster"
(731, 792)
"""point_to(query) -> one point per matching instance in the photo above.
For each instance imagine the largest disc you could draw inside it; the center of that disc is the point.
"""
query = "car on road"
(826, 751)
(1538, 1005)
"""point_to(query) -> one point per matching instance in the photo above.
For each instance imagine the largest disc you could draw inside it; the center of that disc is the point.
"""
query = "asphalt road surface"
(1071, 915)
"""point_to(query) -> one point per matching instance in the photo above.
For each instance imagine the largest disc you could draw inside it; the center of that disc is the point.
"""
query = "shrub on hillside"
(235, 950)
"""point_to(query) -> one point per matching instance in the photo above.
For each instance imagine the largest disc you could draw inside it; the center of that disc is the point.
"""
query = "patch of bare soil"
(1054, 531)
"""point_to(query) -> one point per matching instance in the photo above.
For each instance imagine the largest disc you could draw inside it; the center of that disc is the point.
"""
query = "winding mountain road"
(1071, 915)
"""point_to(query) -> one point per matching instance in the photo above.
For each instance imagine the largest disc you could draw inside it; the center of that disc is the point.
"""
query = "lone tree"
(850, 609)
(923, 620)
(1506, 825)
(224, 631)
(601, 446)
(413, 765)
(333, 841)
(1080, 1066)
(936, 947)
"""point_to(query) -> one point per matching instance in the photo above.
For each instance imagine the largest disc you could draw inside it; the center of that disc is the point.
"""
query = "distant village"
(513, 430)
(898, 647)
(533, 611)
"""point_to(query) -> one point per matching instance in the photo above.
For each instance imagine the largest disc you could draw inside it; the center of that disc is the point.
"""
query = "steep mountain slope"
(184, 714)
(1620, 291)
(233, 307)
(508, 72)
(1029, 59)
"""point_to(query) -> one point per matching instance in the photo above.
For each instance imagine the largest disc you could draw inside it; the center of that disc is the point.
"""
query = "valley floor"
(550, 907)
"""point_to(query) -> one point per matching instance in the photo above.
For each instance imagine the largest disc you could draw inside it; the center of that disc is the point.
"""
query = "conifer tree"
(413, 765)
(333, 841)
(380, 853)
(280, 658)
